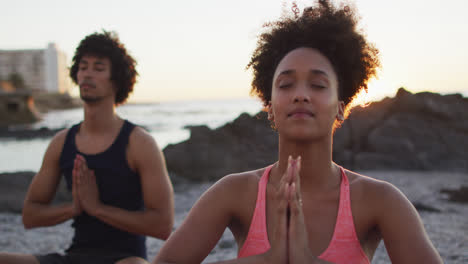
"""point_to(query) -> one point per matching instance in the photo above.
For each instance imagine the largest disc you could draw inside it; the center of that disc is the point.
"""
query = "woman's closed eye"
(318, 86)
(285, 85)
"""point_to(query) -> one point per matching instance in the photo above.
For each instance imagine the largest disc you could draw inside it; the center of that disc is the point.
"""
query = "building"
(41, 70)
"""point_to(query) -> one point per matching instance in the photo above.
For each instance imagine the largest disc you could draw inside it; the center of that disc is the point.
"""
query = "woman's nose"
(301, 94)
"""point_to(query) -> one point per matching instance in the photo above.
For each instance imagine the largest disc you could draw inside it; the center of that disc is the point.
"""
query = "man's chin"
(90, 99)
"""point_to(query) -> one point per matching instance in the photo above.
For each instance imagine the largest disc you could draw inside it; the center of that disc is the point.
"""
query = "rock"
(426, 208)
(24, 107)
(445, 229)
(17, 108)
(13, 188)
(373, 161)
(26, 134)
(411, 131)
(459, 196)
(55, 101)
(423, 131)
(245, 144)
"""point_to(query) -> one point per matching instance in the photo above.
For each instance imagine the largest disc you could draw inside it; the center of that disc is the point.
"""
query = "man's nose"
(87, 72)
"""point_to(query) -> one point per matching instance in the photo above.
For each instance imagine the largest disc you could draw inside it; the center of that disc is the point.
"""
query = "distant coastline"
(25, 107)
(45, 102)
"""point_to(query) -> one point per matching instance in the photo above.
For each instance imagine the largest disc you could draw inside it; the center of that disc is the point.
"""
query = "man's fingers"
(78, 176)
(83, 162)
(92, 176)
(84, 171)
(80, 157)
(74, 185)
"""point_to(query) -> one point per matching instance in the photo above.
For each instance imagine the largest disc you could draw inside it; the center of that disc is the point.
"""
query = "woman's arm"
(402, 230)
(206, 222)
(203, 227)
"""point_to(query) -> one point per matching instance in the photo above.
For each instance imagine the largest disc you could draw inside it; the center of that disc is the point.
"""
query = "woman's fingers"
(297, 179)
(294, 201)
(278, 251)
(282, 213)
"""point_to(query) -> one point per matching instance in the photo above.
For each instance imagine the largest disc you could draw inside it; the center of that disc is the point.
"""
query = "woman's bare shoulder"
(241, 182)
(373, 192)
(233, 192)
(368, 184)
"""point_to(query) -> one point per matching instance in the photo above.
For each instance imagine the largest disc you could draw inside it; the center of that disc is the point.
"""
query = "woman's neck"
(318, 171)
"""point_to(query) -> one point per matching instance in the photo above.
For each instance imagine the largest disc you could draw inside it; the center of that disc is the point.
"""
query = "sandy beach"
(446, 222)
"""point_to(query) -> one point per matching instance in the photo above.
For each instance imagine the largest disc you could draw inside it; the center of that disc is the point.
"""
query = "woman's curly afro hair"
(331, 31)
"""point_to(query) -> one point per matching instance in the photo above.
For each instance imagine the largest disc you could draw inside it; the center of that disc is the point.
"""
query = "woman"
(305, 208)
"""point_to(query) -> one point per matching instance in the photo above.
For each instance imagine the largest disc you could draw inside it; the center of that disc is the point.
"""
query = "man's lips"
(86, 86)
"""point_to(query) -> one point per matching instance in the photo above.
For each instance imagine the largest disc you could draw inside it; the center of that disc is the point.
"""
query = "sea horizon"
(167, 122)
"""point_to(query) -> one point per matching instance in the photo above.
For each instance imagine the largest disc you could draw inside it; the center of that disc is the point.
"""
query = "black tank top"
(118, 185)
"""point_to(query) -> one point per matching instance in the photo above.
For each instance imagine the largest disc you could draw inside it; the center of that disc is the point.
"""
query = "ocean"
(165, 121)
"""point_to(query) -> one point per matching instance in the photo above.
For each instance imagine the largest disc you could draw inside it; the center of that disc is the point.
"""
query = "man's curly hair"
(331, 31)
(108, 45)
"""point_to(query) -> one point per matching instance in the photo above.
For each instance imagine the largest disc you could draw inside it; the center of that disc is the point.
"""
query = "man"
(116, 173)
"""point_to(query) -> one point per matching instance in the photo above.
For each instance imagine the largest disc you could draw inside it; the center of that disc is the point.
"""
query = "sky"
(189, 50)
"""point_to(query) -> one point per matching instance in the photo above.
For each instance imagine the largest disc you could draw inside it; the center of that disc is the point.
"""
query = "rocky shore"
(418, 142)
(45, 102)
(444, 220)
(26, 134)
(13, 188)
(25, 107)
(421, 132)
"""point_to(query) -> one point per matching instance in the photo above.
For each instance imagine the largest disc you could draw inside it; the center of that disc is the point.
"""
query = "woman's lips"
(301, 113)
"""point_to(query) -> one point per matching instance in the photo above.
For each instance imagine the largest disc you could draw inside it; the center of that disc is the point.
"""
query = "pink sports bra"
(344, 246)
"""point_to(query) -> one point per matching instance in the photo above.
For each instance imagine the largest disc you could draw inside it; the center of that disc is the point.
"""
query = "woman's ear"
(269, 109)
(271, 116)
(341, 111)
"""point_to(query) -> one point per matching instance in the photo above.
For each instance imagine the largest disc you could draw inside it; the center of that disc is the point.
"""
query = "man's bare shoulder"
(58, 140)
(144, 154)
(61, 135)
(142, 143)
(53, 152)
(140, 135)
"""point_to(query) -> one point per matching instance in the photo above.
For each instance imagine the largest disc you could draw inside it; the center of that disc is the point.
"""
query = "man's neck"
(99, 118)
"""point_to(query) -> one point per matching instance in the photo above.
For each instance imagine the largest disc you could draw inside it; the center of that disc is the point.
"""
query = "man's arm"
(37, 210)
(158, 217)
